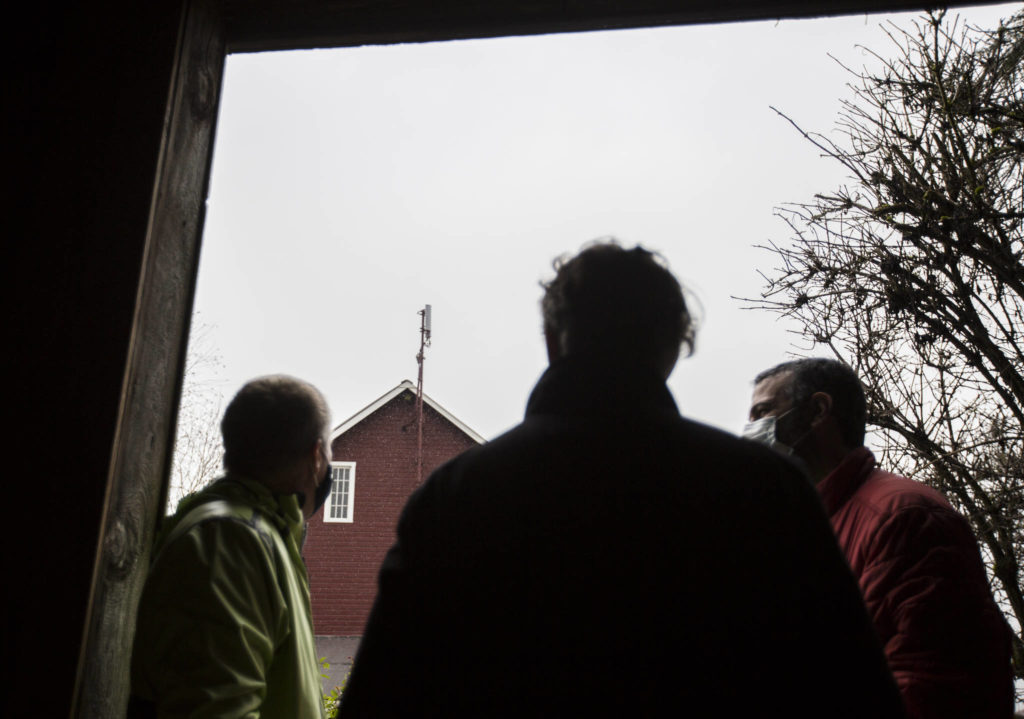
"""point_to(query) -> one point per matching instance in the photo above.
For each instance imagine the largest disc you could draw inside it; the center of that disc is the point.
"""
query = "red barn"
(374, 469)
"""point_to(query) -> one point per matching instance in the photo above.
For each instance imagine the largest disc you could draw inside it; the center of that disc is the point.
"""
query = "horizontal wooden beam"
(258, 25)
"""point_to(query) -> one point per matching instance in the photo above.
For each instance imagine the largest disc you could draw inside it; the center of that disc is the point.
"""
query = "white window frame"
(338, 490)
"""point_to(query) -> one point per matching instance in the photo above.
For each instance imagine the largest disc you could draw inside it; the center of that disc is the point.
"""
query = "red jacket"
(924, 585)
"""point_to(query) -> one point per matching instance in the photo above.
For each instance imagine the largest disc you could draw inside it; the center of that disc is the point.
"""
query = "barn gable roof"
(390, 395)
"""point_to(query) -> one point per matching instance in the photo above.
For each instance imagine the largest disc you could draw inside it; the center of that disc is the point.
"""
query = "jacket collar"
(571, 387)
(282, 510)
(841, 483)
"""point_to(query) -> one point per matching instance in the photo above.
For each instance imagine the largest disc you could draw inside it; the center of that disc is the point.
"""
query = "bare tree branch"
(198, 452)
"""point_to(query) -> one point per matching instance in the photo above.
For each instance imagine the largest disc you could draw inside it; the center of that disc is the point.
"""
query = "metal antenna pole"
(424, 343)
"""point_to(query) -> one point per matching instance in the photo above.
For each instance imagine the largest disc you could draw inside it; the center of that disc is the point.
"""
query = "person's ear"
(821, 407)
(318, 452)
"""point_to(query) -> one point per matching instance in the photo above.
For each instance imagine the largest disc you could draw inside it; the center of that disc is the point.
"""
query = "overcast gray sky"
(351, 187)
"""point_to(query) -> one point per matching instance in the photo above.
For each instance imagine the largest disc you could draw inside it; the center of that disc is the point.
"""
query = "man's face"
(771, 396)
(319, 484)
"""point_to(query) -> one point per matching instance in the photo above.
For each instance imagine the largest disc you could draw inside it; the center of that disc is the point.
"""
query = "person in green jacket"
(224, 626)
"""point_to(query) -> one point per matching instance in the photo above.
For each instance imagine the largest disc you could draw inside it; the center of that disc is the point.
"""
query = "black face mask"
(323, 490)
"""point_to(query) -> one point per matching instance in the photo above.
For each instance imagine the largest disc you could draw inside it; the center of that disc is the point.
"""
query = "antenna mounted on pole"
(424, 343)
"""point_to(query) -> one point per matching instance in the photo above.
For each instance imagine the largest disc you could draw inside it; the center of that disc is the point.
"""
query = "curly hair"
(612, 301)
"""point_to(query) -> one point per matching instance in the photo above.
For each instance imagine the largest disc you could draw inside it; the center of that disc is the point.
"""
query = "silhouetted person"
(608, 557)
(914, 556)
(224, 627)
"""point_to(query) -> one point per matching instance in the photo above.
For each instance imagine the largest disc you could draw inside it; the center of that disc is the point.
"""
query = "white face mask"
(763, 431)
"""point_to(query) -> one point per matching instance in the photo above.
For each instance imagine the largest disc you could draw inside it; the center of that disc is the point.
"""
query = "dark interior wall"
(97, 350)
(90, 96)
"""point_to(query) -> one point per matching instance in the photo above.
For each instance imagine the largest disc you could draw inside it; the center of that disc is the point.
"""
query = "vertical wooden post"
(145, 425)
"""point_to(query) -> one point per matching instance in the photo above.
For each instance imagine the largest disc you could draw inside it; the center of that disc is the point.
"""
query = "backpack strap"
(218, 509)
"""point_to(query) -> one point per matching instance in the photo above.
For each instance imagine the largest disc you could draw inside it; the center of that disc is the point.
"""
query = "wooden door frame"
(209, 29)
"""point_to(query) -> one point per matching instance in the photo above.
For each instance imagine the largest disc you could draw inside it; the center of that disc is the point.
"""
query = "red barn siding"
(343, 558)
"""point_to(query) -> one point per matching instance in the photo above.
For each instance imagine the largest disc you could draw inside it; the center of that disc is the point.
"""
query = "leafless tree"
(198, 452)
(913, 272)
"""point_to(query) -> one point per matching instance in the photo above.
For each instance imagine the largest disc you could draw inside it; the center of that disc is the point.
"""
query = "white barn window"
(343, 484)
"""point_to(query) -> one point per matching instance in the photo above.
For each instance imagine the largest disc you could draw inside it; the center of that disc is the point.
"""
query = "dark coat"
(609, 558)
(925, 588)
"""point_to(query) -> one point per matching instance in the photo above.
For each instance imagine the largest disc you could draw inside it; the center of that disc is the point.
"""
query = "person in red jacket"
(914, 556)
